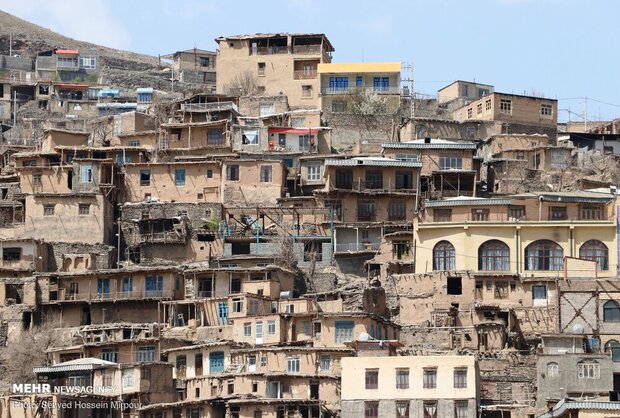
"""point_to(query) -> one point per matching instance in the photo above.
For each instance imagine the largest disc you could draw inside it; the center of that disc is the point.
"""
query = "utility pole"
(10, 44)
(14, 107)
(585, 117)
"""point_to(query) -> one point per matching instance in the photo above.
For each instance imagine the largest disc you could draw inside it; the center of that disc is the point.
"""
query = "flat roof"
(328, 44)
(464, 81)
(360, 67)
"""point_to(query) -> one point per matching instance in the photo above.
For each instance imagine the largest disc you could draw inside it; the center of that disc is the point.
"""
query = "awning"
(144, 90)
(67, 52)
(293, 130)
(66, 368)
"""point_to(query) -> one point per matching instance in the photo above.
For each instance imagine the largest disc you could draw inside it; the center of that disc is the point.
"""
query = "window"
(443, 256)
(344, 179)
(539, 293)
(133, 143)
(546, 109)
(204, 61)
(232, 172)
(470, 113)
(263, 361)
(48, 210)
(359, 81)
(271, 327)
(479, 108)
(145, 177)
(558, 213)
(144, 97)
(215, 136)
(146, 354)
(480, 215)
(450, 163)
(494, 255)
(402, 378)
(553, 369)
(544, 255)
(465, 90)
(306, 142)
(611, 311)
(83, 208)
(292, 364)
(127, 285)
(247, 329)
(249, 137)
(88, 63)
(266, 109)
(505, 106)
(266, 173)
(12, 254)
(314, 172)
(306, 91)
(372, 378)
(487, 105)
(402, 409)
(344, 331)
(154, 286)
(596, 251)
(374, 179)
(326, 363)
(371, 409)
(179, 177)
(86, 172)
(460, 409)
(366, 210)
(338, 84)
(381, 84)
(109, 354)
(429, 378)
(298, 122)
(588, 370)
(516, 212)
(442, 215)
(613, 347)
(128, 378)
(454, 285)
(237, 305)
(430, 409)
(591, 212)
(460, 378)
(37, 180)
(339, 107)
(397, 210)
(261, 68)
(259, 329)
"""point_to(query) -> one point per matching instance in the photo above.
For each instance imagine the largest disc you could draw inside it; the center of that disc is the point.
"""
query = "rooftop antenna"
(362, 54)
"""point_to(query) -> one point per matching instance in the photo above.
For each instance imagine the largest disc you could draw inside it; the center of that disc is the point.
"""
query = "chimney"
(427, 140)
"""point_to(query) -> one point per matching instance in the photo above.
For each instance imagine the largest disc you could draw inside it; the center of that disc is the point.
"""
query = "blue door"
(222, 313)
(216, 362)
(154, 286)
(103, 286)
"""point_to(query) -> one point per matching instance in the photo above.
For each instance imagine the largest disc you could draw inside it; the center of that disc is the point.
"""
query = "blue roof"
(144, 90)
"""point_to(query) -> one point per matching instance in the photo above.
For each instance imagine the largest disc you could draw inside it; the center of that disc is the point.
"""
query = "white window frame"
(314, 172)
(293, 364)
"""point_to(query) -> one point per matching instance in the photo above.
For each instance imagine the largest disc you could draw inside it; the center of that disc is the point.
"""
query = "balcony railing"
(502, 217)
(385, 186)
(312, 149)
(305, 75)
(269, 50)
(209, 107)
(330, 91)
(162, 237)
(135, 294)
(358, 247)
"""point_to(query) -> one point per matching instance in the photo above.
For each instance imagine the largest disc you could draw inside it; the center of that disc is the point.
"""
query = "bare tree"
(244, 84)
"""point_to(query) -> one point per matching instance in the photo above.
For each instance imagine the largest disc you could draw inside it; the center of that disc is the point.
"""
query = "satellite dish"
(577, 329)
(364, 336)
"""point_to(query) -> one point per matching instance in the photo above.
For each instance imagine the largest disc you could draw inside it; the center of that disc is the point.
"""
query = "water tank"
(286, 295)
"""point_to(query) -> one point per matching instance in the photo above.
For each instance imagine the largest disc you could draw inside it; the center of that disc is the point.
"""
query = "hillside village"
(257, 230)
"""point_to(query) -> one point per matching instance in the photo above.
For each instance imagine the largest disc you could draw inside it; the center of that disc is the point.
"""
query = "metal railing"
(328, 91)
(304, 74)
(134, 294)
(209, 107)
(168, 236)
(375, 185)
(500, 217)
(269, 50)
(357, 247)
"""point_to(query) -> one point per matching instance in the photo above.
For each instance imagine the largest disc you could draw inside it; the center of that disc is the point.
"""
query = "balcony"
(269, 50)
(376, 186)
(358, 247)
(334, 91)
(304, 75)
(129, 295)
(209, 107)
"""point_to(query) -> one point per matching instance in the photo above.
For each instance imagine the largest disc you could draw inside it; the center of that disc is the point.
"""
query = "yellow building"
(340, 82)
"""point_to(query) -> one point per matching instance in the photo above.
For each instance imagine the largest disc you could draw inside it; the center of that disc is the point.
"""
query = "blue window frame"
(222, 313)
(179, 177)
(154, 286)
(344, 331)
(103, 286)
(127, 285)
(359, 81)
(216, 362)
(381, 83)
(338, 83)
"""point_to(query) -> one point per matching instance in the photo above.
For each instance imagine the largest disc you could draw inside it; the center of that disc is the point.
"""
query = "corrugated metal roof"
(575, 197)
(561, 407)
(372, 162)
(466, 201)
(434, 144)
(81, 364)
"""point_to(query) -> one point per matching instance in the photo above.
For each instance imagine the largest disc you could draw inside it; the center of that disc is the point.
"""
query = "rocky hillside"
(118, 67)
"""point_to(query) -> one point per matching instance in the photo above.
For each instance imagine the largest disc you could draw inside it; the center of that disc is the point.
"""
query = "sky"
(562, 49)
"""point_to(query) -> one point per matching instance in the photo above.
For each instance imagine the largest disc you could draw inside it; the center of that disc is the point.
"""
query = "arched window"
(553, 369)
(596, 251)
(443, 256)
(611, 311)
(543, 255)
(494, 255)
(613, 347)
